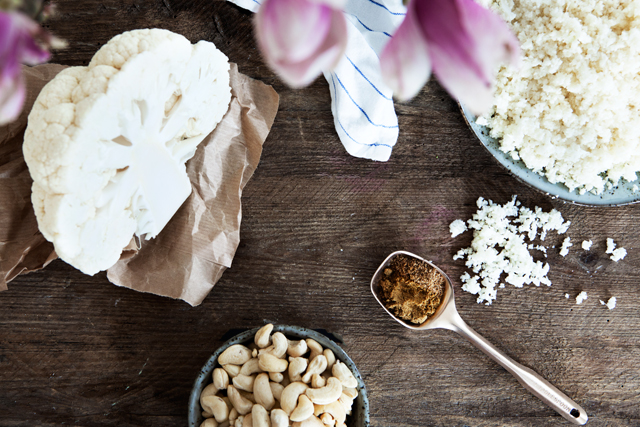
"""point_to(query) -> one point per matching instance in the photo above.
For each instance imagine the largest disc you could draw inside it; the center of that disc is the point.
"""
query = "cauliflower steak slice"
(106, 145)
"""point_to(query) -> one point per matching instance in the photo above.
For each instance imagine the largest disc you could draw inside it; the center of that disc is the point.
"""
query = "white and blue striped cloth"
(362, 105)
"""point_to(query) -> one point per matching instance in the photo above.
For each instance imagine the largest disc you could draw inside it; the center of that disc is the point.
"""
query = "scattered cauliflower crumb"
(566, 296)
(611, 304)
(499, 246)
(581, 297)
(616, 254)
(457, 227)
(564, 251)
(586, 244)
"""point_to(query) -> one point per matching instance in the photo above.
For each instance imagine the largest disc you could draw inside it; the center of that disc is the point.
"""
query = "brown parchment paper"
(189, 256)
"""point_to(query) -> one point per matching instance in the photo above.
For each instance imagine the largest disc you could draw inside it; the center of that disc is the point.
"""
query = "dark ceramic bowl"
(360, 412)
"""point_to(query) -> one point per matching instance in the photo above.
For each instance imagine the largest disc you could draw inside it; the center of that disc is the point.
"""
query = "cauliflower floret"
(106, 145)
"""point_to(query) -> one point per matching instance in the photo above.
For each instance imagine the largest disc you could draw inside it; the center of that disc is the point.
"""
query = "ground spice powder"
(411, 289)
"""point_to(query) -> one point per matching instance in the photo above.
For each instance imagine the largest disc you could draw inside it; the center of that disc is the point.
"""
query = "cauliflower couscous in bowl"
(568, 120)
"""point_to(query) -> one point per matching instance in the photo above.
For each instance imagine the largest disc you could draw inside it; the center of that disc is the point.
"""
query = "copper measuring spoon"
(447, 317)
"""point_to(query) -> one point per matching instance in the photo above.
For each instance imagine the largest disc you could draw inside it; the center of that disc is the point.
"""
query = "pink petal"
(468, 43)
(335, 4)
(404, 61)
(300, 38)
(12, 95)
(18, 35)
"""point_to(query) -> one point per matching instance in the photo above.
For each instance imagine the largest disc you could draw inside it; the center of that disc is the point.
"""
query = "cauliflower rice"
(571, 112)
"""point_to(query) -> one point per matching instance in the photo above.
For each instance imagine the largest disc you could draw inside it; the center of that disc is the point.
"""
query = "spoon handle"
(531, 380)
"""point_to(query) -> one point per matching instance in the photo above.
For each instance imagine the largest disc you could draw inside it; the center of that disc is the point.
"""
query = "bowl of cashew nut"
(279, 376)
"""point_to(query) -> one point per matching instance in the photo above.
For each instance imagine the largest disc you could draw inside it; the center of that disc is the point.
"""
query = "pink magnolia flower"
(460, 40)
(301, 38)
(19, 44)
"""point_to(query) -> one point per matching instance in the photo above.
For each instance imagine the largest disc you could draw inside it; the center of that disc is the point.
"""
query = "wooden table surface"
(77, 350)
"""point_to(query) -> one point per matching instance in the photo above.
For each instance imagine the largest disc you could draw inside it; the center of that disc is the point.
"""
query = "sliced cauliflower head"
(106, 145)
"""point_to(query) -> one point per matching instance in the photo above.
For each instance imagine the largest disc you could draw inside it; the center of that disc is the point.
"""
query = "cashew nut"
(262, 392)
(318, 381)
(276, 390)
(263, 336)
(297, 348)
(289, 396)
(317, 366)
(270, 363)
(220, 378)
(233, 415)
(209, 390)
(312, 421)
(216, 406)
(327, 394)
(239, 421)
(247, 395)
(259, 416)
(210, 422)
(247, 421)
(279, 418)
(297, 366)
(244, 382)
(316, 349)
(351, 393)
(276, 377)
(279, 347)
(242, 405)
(336, 410)
(236, 355)
(304, 409)
(343, 373)
(232, 370)
(331, 358)
(347, 403)
(250, 367)
(327, 419)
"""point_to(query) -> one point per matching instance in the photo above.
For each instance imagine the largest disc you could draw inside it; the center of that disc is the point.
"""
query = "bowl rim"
(534, 180)
(204, 377)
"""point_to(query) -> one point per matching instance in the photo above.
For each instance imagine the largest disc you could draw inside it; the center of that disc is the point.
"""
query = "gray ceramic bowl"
(360, 415)
(622, 194)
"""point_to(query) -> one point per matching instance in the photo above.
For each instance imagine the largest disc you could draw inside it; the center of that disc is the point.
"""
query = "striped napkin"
(362, 105)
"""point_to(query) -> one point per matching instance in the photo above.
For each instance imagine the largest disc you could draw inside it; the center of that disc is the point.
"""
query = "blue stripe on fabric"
(385, 8)
(367, 28)
(375, 144)
(256, 2)
(359, 107)
(369, 81)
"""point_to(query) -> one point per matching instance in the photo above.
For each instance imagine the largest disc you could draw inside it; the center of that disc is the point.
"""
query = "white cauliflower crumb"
(499, 246)
(611, 304)
(581, 297)
(566, 296)
(634, 189)
(586, 244)
(616, 254)
(457, 227)
(566, 244)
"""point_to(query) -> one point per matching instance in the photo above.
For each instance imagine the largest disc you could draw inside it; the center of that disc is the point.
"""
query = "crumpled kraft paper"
(189, 256)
